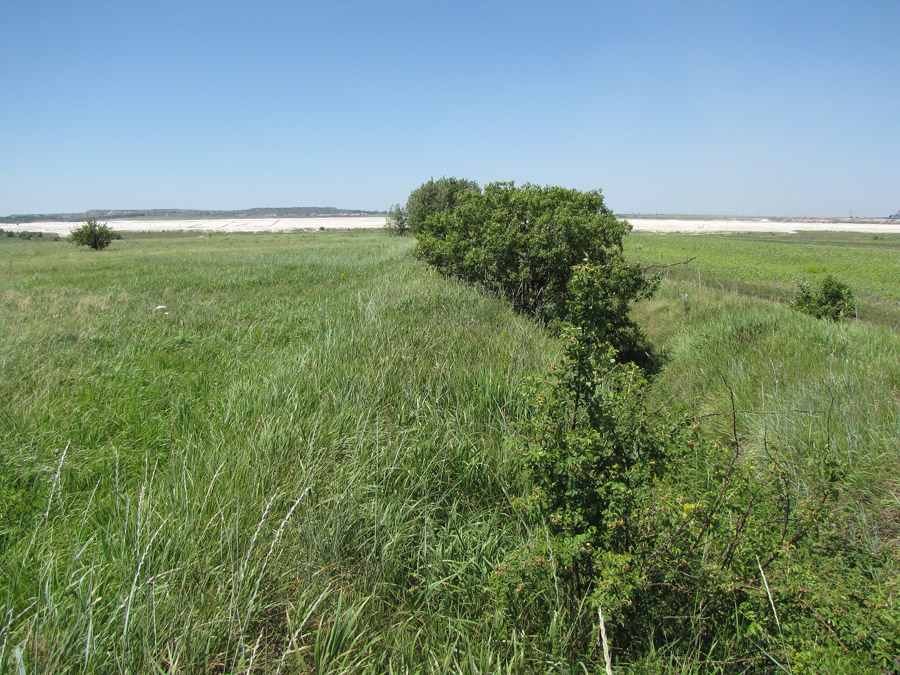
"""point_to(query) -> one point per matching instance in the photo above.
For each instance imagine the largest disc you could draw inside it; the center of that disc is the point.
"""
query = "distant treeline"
(24, 234)
(276, 212)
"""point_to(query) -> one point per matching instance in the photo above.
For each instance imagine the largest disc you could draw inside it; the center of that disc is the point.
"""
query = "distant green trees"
(96, 235)
(25, 234)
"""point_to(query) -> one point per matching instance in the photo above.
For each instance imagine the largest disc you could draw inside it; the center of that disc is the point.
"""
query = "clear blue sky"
(756, 107)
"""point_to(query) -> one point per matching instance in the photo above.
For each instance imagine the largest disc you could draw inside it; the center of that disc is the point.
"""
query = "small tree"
(827, 299)
(90, 233)
(397, 223)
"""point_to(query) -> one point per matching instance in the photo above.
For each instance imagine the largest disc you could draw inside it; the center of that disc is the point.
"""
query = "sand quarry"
(369, 222)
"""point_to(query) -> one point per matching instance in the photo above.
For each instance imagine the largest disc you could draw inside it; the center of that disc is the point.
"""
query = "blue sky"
(751, 108)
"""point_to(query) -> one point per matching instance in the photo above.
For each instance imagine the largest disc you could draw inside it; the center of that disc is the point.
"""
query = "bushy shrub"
(696, 546)
(396, 222)
(594, 456)
(826, 299)
(434, 197)
(90, 233)
(523, 242)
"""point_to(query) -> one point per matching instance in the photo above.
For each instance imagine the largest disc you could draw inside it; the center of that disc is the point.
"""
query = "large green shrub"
(434, 197)
(827, 298)
(90, 233)
(523, 241)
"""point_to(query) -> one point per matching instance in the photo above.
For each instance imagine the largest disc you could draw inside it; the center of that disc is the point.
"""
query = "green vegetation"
(522, 242)
(820, 407)
(433, 198)
(396, 223)
(764, 535)
(311, 453)
(770, 265)
(826, 299)
(299, 461)
(25, 234)
(97, 236)
(607, 474)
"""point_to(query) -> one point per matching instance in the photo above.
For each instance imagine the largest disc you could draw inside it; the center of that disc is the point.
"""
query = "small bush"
(827, 299)
(397, 222)
(97, 236)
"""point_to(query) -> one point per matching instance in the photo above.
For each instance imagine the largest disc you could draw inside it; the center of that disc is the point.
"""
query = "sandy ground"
(347, 223)
(222, 225)
(760, 225)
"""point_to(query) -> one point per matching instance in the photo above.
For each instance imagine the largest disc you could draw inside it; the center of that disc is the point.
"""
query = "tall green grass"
(296, 464)
(302, 462)
(813, 388)
(810, 390)
(769, 265)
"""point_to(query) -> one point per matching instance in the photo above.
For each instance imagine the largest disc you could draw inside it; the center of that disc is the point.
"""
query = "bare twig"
(644, 269)
(800, 533)
(733, 413)
(787, 493)
(732, 548)
(734, 458)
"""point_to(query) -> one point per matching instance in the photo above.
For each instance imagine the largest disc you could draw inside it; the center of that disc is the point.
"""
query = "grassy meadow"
(306, 440)
(291, 453)
(812, 388)
(769, 265)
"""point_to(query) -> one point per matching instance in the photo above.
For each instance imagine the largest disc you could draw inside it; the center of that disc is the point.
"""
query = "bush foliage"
(90, 233)
(699, 551)
(827, 298)
(435, 197)
(28, 235)
(522, 242)
(732, 565)
(396, 223)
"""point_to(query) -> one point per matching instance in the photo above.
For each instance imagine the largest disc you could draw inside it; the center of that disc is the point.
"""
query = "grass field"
(769, 265)
(290, 453)
(310, 431)
(715, 334)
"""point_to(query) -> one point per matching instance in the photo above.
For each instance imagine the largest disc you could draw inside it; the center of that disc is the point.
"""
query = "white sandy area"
(215, 225)
(371, 222)
(758, 225)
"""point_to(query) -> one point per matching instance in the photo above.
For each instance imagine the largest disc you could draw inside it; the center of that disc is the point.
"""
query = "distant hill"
(165, 214)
